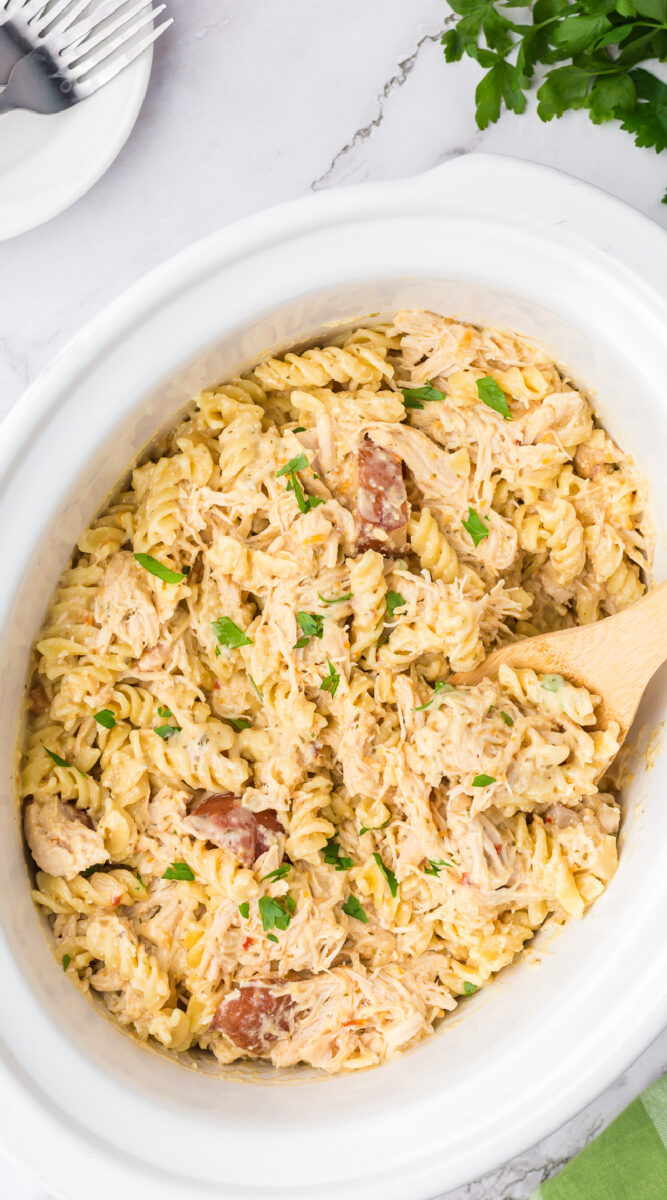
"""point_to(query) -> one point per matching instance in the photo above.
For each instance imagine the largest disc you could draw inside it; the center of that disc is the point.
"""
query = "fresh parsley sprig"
(593, 50)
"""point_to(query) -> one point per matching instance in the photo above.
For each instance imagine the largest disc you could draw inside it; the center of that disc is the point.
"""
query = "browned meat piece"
(245, 834)
(38, 699)
(254, 1018)
(382, 501)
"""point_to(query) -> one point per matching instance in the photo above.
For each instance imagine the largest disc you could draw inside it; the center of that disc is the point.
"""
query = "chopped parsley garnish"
(228, 633)
(165, 713)
(141, 882)
(412, 396)
(244, 909)
(491, 394)
(239, 723)
(394, 600)
(157, 568)
(290, 903)
(165, 731)
(507, 718)
(330, 681)
(311, 625)
(370, 828)
(354, 909)
(105, 718)
(335, 599)
(66, 961)
(274, 913)
(299, 463)
(553, 683)
(271, 937)
(483, 780)
(388, 873)
(333, 857)
(280, 873)
(295, 464)
(435, 865)
(469, 987)
(475, 526)
(441, 686)
(179, 870)
(91, 870)
(62, 762)
(299, 429)
(255, 688)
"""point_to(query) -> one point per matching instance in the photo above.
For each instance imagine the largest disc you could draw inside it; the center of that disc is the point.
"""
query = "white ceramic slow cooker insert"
(490, 240)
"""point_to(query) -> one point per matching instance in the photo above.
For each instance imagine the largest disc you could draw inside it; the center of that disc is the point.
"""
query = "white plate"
(48, 162)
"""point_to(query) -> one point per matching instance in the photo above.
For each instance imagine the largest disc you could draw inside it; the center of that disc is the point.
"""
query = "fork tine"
(84, 38)
(83, 61)
(93, 82)
(101, 12)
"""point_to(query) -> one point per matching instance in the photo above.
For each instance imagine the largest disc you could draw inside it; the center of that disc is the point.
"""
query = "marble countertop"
(252, 102)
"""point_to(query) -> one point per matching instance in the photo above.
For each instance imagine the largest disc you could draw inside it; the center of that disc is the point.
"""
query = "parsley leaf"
(469, 987)
(312, 625)
(506, 718)
(228, 633)
(271, 937)
(179, 870)
(244, 909)
(105, 718)
(62, 762)
(440, 686)
(299, 429)
(299, 463)
(295, 464)
(239, 723)
(330, 681)
(412, 396)
(255, 688)
(435, 865)
(594, 51)
(335, 599)
(165, 731)
(163, 712)
(475, 526)
(91, 870)
(274, 913)
(369, 828)
(66, 961)
(141, 882)
(333, 858)
(552, 683)
(388, 873)
(483, 780)
(354, 909)
(393, 601)
(491, 394)
(280, 873)
(157, 568)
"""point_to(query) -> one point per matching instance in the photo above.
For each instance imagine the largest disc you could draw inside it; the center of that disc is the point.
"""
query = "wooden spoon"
(615, 658)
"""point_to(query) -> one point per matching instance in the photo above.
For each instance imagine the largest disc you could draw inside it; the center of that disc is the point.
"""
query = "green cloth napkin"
(628, 1161)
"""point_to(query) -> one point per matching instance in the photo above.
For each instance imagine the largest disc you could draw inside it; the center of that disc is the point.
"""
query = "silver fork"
(76, 51)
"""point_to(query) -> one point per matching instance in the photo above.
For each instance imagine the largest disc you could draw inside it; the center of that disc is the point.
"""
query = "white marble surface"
(252, 102)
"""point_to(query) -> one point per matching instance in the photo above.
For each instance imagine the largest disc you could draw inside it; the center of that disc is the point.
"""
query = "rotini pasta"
(264, 821)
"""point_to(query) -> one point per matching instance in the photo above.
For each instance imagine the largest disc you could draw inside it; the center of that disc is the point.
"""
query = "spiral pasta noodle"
(264, 820)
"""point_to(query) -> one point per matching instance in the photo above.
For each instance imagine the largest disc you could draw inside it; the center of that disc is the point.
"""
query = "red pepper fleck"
(498, 847)
(248, 942)
(117, 899)
(464, 878)
(547, 820)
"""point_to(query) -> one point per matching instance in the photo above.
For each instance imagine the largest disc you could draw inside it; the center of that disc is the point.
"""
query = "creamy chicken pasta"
(264, 821)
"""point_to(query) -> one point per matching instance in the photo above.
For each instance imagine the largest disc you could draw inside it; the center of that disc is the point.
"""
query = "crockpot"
(84, 1105)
